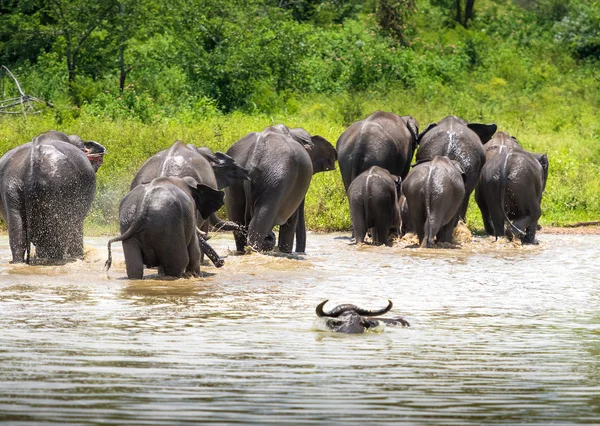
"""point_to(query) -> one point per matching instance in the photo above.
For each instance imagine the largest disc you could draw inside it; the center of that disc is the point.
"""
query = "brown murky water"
(499, 334)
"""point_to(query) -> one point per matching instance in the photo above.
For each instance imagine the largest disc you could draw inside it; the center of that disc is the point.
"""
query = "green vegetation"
(208, 72)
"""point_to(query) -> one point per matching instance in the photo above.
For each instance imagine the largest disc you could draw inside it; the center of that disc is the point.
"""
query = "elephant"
(460, 141)
(281, 163)
(434, 190)
(216, 170)
(47, 187)
(351, 319)
(158, 226)
(383, 139)
(374, 206)
(499, 143)
(510, 189)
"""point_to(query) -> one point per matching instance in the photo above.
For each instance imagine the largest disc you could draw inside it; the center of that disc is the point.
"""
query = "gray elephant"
(383, 139)
(47, 187)
(434, 191)
(351, 319)
(158, 226)
(374, 206)
(281, 163)
(510, 189)
(217, 171)
(460, 141)
(501, 142)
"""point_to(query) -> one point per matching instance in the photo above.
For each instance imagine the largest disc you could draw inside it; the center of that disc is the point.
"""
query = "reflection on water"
(499, 334)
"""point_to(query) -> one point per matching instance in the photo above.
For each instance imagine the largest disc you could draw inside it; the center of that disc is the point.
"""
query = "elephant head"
(351, 319)
(543, 159)
(206, 199)
(322, 153)
(93, 150)
(226, 170)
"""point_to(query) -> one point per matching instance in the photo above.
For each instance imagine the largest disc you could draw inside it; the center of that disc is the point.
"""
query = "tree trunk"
(468, 11)
(123, 75)
(458, 12)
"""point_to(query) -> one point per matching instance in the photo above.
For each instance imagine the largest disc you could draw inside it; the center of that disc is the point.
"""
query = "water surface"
(500, 334)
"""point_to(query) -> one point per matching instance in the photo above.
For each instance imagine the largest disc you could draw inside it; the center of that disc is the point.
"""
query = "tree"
(392, 16)
(75, 21)
(469, 4)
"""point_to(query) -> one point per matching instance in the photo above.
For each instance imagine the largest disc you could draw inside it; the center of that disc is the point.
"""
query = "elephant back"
(178, 161)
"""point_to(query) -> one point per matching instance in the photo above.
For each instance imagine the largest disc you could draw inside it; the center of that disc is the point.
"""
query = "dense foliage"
(135, 75)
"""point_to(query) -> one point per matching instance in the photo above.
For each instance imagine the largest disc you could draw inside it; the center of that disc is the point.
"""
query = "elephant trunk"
(210, 252)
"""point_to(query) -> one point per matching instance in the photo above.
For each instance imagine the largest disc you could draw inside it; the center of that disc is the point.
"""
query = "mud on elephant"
(47, 187)
(158, 226)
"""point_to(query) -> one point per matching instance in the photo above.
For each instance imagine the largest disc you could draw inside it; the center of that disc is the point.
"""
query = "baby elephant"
(158, 226)
(354, 320)
(434, 191)
(373, 197)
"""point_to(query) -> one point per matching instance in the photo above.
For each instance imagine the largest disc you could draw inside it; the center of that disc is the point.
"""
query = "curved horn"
(366, 312)
(319, 309)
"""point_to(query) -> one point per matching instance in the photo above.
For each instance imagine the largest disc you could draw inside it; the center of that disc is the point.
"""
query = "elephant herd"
(389, 197)
(47, 187)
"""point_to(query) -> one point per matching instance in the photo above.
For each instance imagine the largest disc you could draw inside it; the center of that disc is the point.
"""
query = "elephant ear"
(398, 184)
(227, 171)
(413, 128)
(459, 167)
(207, 200)
(484, 131)
(420, 137)
(323, 155)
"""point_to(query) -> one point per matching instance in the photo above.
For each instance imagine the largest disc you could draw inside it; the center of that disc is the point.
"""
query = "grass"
(571, 195)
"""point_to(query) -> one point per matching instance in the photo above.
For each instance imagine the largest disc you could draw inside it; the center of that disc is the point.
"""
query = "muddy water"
(499, 334)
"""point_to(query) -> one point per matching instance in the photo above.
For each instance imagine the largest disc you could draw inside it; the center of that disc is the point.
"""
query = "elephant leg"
(17, 236)
(134, 262)
(286, 233)
(301, 230)
(74, 241)
(241, 240)
(359, 226)
(444, 235)
(260, 226)
(528, 224)
(194, 252)
(382, 231)
(359, 223)
(485, 212)
(175, 261)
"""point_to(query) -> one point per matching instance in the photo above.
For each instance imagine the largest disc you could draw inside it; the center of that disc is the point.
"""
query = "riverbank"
(571, 194)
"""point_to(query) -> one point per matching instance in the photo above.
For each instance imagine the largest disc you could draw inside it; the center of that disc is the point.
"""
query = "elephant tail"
(134, 229)
(428, 217)
(502, 187)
